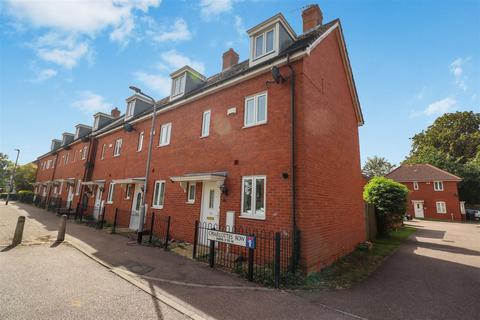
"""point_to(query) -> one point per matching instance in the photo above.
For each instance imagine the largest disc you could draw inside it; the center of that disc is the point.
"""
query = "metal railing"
(158, 230)
(269, 263)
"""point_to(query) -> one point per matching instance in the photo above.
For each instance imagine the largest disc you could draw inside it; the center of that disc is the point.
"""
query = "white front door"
(418, 207)
(98, 203)
(210, 215)
(136, 206)
(70, 195)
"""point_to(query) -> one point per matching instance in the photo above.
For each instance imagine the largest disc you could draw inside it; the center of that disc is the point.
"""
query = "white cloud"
(90, 103)
(160, 84)
(178, 32)
(171, 61)
(440, 106)
(212, 8)
(457, 68)
(72, 24)
(239, 27)
(45, 74)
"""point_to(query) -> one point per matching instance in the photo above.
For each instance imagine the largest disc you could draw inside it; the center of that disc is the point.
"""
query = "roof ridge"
(444, 171)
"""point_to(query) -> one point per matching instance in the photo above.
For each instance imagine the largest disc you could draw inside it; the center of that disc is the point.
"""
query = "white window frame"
(104, 149)
(130, 109)
(79, 185)
(264, 44)
(165, 129)
(128, 190)
(49, 163)
(254, 214)
(60, 188)
(255, 109)
(205, 125)
(67, 157)
(160, 201)
(416, 185)
(140, 141)
(118, 147)
(111, 190)
(96, 122)
(84, 153)
(441, 207)
(191, 200)
(182, 79)
(439, 187)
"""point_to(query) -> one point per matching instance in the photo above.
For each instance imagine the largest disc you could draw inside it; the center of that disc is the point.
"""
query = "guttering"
(293, 163)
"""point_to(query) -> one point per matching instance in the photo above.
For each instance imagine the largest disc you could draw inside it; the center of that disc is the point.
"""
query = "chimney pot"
(230, 58)
(115, 113)
(312, 16)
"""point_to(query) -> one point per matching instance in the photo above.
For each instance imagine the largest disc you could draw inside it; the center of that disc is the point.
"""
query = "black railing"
(158, 230)
(269, 263)
(40, 201)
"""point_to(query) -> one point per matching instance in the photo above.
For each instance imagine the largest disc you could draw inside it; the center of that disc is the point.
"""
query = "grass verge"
(355, 266)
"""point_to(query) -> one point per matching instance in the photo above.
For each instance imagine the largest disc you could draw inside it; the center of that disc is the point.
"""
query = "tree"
(390, 200)
(452, 143)
(376, 167)
(25, 177)
(5, 170)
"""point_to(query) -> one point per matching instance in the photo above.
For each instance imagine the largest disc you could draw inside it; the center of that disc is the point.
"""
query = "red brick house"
(433, 192)
(271, 142)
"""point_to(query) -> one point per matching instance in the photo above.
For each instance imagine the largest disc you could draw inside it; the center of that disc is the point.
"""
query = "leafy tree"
(390, 200)
(25, 177)
(5, 166)
(376, 167)
(452, 143)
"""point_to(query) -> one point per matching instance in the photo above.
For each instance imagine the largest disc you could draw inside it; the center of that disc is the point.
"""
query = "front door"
(98, 203)
(70, 196)
(210, 215)
(418, 207)
(136, 207)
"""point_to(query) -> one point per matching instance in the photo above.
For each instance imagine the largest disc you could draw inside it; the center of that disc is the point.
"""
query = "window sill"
(254, 125)
(116, 156)
(109, 202)
(203, 137)
(244, 216)
(163, 145)
(157, 207)
(190, 202)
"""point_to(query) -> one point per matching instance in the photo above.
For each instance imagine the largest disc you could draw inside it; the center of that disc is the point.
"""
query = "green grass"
(355, 266)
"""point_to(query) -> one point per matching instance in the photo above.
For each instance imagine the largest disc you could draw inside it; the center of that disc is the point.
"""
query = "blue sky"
(60, 62)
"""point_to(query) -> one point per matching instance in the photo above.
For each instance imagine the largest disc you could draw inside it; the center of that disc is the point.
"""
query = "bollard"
(62, 226)
(17, 237)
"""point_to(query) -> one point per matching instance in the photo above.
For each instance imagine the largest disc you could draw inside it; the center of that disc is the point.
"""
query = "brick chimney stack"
(312, 16)
(115, 113)
(230, 58)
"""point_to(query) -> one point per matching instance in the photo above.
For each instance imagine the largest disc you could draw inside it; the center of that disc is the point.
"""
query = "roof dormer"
(184, 80)
(67, 138)
(101, 120)
(55, 144)
(269, 38)
(82, 130)
(136, 104)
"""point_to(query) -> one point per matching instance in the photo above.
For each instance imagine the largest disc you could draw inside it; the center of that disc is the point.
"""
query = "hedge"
(25, 196)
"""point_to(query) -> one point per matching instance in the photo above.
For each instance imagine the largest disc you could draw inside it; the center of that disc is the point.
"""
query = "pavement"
(435, 275)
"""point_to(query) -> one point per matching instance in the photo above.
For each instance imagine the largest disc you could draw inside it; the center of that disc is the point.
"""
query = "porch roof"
(129, 180)
(209, 176)
(96, 182)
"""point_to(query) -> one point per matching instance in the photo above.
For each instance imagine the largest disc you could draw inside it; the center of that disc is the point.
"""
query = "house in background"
(269, 143)
(433, 192)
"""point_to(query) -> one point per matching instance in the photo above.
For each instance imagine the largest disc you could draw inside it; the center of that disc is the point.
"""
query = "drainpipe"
(92, 150)
(293, 164)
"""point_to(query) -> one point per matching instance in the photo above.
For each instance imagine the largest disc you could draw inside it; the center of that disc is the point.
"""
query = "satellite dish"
(277, 76)
(128, 127)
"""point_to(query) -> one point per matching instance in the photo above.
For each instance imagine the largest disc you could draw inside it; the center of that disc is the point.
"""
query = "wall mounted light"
(224, 189)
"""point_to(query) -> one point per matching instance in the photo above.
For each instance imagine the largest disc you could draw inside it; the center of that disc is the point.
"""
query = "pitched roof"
(420, 173)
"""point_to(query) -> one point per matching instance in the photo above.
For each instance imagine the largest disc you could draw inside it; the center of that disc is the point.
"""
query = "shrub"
(390, 200)
(25, 196)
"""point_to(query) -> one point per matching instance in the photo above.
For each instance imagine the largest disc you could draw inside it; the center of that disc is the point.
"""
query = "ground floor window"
(158, 194)
(111, 189)
(253, 196)
(128, 189)
(441, 207)
(191, 192)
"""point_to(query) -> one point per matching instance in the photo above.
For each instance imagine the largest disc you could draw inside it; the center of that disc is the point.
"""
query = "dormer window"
(264, 43)
(77, 133)
(130, 109)
(95, 123)
(178, 85)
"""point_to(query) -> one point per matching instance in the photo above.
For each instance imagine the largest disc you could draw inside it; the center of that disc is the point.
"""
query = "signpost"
(234, 239)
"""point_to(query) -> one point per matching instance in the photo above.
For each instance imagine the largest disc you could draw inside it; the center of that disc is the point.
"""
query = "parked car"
(473, 214)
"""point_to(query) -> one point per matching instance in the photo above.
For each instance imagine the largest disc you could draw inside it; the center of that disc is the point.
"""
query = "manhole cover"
(137, 268)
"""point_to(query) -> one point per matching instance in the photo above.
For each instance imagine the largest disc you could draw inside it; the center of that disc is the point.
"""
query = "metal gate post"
(151, 226)
(250, 264)
(167, 236)
(103, 219)
(114, 221)
(211, 256)
(276, 274)
(195, 240)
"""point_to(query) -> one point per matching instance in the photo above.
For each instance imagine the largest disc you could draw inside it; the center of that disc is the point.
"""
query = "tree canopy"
(376, 167)
(452, 143)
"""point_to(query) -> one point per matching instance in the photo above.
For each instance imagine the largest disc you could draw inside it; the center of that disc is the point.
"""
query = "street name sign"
(232, 238)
